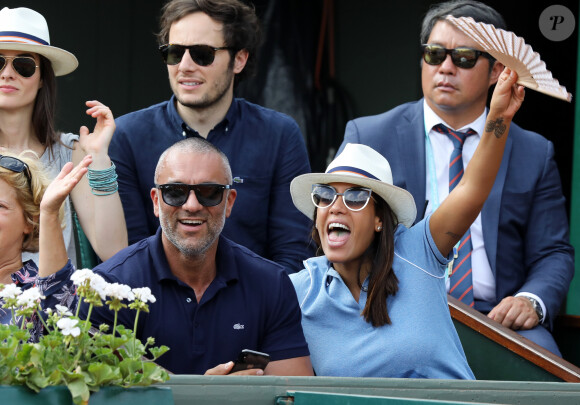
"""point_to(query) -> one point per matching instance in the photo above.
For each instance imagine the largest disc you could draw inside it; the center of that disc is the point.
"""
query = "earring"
(379, 228)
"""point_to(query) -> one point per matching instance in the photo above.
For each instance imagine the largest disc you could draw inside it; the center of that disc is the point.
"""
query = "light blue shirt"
(421, 341)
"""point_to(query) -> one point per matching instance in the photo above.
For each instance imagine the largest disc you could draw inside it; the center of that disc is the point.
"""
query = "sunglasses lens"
(434, 54)
(464, 57)
(323, 196)
(24, 66)
(174, 194)
(203, 55)
(172, 54)
(209, 195)
(356, 198)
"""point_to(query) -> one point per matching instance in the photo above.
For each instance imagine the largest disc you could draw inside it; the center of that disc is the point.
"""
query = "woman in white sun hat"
(28, 66)
(375, 305)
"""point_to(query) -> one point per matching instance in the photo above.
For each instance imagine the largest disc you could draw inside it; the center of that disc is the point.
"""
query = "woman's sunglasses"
(208, 195)
(25, 66)
(355, 198)
(15, 165)
(465, 58)
(203, 55)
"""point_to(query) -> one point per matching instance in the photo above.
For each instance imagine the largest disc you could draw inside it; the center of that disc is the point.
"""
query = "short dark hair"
(460, 8)
(241, 26)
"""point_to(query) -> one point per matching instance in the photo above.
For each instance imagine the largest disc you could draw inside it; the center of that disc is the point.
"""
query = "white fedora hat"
(24, 29)
(361, 165)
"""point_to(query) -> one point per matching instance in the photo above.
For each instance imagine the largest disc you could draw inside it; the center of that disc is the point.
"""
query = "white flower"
(29, 298)
(62, 310)
(68, 326)
(99, 284)
(10, 291)
(79, 276)
(119, 291)
(143, 294)
(96, 282)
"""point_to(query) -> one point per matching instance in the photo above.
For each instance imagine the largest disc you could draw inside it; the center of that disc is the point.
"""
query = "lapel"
(410, 136)
(491, 209)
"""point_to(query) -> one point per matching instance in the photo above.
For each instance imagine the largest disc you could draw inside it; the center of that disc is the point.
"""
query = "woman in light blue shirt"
(375, 304)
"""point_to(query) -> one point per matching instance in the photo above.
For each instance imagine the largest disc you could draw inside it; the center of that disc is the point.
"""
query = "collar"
(226, 125)
(432, 119)
(27, 274)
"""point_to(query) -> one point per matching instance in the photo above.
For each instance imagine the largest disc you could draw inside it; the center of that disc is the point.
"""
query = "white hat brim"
(63, 62)
(399, 200)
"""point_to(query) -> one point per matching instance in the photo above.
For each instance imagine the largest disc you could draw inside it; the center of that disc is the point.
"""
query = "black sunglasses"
(25, 66)
(355, 198)
(463, 57)
(203, 55)
(15, 165)
(208, 195)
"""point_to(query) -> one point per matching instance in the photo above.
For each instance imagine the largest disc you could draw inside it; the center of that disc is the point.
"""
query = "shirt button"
(184, 133)
(188, 300)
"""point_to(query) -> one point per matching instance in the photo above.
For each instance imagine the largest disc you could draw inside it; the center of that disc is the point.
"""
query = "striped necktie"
(460, 281)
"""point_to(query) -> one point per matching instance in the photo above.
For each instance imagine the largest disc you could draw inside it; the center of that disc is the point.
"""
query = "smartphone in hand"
(250, 359)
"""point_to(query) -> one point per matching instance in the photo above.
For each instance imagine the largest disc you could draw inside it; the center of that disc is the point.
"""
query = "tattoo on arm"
(497, 127)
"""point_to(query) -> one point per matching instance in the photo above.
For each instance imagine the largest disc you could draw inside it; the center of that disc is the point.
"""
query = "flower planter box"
(18, 395)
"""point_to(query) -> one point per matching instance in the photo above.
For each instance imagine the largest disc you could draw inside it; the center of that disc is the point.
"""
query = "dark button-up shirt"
(266, 151)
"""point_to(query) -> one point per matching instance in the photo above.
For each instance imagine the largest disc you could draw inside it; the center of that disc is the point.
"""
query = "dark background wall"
(376, 63)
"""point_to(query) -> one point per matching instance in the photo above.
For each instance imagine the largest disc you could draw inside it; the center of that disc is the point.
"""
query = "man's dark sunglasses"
(203, 55)
(25, 66)
(463, 57)
(15, 165)
(208, 195)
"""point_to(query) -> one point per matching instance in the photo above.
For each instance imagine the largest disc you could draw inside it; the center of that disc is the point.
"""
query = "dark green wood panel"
(208, 390)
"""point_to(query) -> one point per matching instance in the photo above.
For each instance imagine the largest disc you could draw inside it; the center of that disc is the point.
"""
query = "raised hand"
(62, 185)
(507, 96)
(97, 142)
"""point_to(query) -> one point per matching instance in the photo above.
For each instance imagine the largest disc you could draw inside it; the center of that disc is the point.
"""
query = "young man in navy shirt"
(209, 47)
(214, 297)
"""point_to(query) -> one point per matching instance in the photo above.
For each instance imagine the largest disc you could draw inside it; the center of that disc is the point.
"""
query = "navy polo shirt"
(266, 151)
(251, 304)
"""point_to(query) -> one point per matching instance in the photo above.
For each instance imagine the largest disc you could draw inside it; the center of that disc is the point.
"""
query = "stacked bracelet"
(103, 182)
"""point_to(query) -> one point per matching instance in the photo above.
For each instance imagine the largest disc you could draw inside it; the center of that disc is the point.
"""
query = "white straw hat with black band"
(363, 166)
(23, 29)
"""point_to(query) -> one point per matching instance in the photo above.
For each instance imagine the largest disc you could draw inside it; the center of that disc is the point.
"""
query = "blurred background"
(323, 62)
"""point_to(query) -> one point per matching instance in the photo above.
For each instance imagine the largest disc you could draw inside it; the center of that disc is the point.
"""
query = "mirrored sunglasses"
(15, 165)
(463, 57)
(355, 198)
(208, 195)
(25, 66)
(203, 55)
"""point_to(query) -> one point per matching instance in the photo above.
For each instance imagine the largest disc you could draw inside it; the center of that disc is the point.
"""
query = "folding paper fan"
(513, 52)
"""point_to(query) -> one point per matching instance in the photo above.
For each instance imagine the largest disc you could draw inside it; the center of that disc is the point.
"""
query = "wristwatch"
(537, 307)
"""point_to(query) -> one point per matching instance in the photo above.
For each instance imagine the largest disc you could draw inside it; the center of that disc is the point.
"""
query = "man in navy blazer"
(522, 261)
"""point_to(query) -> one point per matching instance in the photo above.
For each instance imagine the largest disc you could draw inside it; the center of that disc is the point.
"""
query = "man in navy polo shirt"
(214, 297)
(209, 47)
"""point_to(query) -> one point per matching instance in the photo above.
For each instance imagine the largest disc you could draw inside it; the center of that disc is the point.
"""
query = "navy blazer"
(525, 226)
